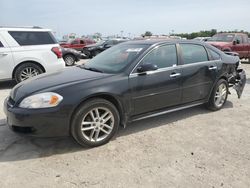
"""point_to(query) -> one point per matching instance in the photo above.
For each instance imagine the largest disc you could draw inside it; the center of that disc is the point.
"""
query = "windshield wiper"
(92, 69)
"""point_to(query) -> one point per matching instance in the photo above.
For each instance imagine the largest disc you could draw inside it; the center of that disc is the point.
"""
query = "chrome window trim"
(201, 62)
(154, 71)
(175, 65)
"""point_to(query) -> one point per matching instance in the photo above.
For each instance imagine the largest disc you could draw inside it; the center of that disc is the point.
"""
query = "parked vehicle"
(71, 56)
(232, 42)
(77, 44)
(202, 39)
(27, 52)
(94, 49)
(128, 82)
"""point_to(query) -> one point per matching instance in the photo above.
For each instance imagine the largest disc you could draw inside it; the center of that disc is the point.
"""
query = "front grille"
(22, 129)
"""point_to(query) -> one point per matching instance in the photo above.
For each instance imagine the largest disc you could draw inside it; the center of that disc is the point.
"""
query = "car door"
(198, 72)
(157, 89)
(6, 61)
(238, 46)
(75, 44)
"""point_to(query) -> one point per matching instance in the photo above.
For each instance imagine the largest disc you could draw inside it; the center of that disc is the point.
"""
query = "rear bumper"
(50, 122)
(56, 66)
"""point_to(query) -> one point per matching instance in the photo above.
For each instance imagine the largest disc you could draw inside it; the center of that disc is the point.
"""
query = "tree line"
(206, 33)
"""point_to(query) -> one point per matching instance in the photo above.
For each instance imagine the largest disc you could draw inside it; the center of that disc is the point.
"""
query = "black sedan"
(93, 49)
(129, 82)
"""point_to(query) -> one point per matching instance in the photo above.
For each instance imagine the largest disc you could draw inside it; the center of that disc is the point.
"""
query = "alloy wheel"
(220, 95)
(69, 60)
(28, 72)
(97, 124)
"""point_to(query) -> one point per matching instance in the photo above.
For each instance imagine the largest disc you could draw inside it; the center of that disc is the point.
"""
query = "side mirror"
(146, 67)
(106, 45)
(237, 41)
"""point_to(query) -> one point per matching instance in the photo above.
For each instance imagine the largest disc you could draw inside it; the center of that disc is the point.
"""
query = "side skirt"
(166, 111)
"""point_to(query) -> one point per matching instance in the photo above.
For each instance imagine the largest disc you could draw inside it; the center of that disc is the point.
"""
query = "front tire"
(95, 123)
(218, 96)
(26, 71)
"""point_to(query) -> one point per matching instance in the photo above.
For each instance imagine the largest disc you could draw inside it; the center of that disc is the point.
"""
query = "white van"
(27, 52)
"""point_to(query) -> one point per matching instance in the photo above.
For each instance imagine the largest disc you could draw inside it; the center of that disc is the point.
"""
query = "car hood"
(93, 45)
(57, 79)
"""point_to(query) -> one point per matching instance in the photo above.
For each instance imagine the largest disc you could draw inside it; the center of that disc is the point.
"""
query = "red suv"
(78, 44)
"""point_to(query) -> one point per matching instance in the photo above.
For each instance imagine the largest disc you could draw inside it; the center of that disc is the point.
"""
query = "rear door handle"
(212, 68)
(173, 75)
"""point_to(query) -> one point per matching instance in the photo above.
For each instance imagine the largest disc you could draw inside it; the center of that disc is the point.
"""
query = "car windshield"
(101, 42)
(115, 59)
(222, 38)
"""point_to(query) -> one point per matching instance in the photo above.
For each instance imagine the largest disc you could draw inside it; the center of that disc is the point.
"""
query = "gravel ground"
(189, 148)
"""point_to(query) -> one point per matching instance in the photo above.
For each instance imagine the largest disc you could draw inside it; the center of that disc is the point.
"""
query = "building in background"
(70, 36)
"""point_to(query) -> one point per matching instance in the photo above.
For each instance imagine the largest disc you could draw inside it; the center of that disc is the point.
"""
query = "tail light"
(57, 51)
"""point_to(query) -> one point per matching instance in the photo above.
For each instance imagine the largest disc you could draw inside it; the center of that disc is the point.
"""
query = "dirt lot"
(189, 148)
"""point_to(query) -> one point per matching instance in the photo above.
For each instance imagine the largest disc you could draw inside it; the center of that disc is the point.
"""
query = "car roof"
(33, 28)
(163, 41)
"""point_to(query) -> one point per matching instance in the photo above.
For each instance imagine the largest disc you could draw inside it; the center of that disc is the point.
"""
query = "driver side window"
(238, 39)
(164, 56)
(74, 42)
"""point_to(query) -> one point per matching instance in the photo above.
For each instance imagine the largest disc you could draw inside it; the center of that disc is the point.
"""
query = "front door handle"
(3, 54)
(173, 75)
(212, 68)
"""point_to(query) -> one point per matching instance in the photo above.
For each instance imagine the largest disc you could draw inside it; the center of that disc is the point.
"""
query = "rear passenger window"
(193, 53)
(1, 45)
(164, 56)
(24, 38)
(214, 54)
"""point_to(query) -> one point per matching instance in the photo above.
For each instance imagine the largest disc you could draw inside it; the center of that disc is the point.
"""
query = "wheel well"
(107, 97)
(223, 77)
(69, 54)
(34, 62)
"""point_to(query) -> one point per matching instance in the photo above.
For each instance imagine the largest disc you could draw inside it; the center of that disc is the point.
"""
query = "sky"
(133, 17)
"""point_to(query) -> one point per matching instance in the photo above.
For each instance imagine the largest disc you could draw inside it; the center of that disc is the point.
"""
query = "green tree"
(147, 34)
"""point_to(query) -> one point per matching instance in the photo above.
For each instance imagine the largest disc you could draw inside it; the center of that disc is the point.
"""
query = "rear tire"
(95, 123)
(69, 59)
(27, 70)
(218, 96)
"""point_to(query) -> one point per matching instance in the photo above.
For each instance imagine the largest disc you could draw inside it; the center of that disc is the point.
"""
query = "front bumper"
(49, 122)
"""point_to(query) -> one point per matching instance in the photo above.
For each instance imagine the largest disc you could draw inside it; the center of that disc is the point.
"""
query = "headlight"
(41, 100)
